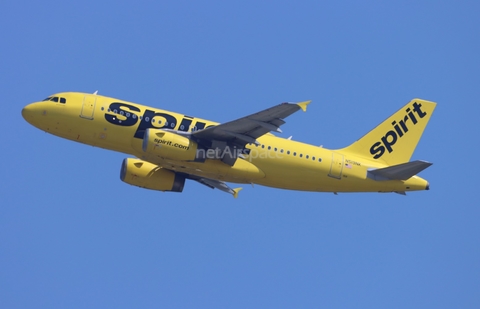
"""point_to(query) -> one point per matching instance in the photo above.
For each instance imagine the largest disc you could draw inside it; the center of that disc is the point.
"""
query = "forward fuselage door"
(336, 166)
(88, 106)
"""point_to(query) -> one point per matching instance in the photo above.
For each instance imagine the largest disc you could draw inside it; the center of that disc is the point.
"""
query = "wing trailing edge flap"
(398, 172)
(216, 184)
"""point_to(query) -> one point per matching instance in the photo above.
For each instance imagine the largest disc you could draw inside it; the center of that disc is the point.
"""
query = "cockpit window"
(56, 99)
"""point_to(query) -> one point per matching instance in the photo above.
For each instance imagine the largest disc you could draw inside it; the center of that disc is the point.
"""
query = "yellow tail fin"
(395, 139)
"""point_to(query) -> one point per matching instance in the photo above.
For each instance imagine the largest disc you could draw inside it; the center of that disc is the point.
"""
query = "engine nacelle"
(150, 176)
(169, 145)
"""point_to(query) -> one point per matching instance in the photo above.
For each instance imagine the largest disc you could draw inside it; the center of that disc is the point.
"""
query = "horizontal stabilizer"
(398, 172)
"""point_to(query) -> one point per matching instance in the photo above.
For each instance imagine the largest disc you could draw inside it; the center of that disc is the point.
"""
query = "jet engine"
(150, 176)
(169, 145)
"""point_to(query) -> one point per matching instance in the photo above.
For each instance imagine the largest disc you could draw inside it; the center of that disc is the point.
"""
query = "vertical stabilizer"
(395, 139)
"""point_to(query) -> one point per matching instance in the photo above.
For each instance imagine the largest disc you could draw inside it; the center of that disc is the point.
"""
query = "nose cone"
(27, 112)
(32, 112)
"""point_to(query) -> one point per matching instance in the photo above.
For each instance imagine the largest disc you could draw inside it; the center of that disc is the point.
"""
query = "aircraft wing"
(247, 129)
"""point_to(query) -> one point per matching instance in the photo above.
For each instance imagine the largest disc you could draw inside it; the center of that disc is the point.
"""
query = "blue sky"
(72, 235)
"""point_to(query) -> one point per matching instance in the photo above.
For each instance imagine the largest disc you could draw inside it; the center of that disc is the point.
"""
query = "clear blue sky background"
(72, 235)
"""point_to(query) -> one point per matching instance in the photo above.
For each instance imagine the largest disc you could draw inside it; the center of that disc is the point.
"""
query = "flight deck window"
(54, 99)
(47, 99)
(63, 100)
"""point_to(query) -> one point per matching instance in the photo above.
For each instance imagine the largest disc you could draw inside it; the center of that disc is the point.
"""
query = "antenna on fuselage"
(95, 93)
(290, 137)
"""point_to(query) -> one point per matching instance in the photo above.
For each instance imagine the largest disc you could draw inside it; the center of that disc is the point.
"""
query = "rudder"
(395, 139)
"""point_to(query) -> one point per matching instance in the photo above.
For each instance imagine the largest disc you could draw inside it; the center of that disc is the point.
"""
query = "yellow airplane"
(171, 147)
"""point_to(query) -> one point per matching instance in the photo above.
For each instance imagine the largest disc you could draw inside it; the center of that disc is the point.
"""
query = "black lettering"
(412, 116)
(397, 128)
(404, 126)
(170, 121)
(199, 126)
(146, 123)
(185, 124)
(401, 128)
(119, 119)
(377, 150)
(417, 109)
(389, 144)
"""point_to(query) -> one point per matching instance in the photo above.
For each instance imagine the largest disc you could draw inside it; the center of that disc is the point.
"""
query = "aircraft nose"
(27, 113)
(31, 112)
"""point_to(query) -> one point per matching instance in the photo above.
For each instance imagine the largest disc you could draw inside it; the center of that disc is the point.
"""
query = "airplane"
(169, 148)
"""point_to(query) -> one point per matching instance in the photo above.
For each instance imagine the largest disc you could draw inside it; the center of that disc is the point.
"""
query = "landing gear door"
(337, 166)
(88, 106)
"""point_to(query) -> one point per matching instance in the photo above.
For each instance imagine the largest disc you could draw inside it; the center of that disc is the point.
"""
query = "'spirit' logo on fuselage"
(400, 129)
(123, 114)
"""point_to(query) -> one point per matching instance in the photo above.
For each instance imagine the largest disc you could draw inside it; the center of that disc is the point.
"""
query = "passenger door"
(88, 106)
(336, 166)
